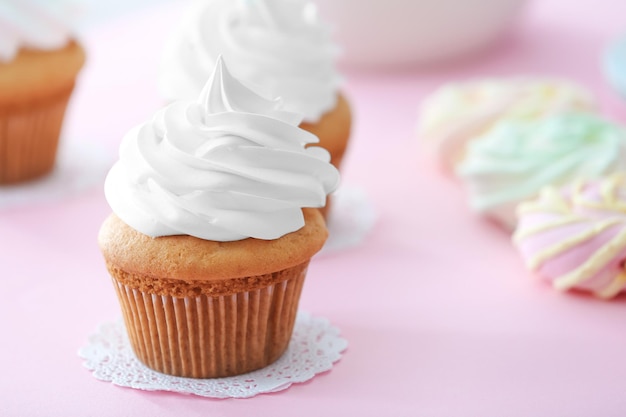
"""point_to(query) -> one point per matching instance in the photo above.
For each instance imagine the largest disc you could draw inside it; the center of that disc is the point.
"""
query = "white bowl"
(386, 33)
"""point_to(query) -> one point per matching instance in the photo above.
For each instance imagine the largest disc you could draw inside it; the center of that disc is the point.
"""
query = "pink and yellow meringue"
(575, 236)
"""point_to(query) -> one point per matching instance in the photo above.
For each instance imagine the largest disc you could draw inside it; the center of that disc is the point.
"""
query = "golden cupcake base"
(213, 336)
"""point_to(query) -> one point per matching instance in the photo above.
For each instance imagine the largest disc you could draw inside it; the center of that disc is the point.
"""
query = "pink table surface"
(441, 317)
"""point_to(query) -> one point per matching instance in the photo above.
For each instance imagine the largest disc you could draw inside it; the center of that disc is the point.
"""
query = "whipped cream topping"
(575, 236)
(278, 47)
(515, 159)
(35, 24)
(228, 166)
(457, 112)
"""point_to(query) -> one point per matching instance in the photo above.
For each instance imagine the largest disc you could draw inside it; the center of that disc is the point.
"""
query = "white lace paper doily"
(314, 347)
(79, 165)
(351, 217)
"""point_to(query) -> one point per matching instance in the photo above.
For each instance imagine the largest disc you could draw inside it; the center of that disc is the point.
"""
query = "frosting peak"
(227, 166)
(223, 93)
(276, 45)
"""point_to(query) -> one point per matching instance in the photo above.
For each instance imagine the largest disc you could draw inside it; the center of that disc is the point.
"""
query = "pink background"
(441, 317)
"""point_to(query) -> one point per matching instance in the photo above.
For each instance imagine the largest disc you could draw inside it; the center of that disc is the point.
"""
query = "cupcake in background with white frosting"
(456, 113)
(515, 159)
(279, 47)
(575, 236)
(40, 59)
(214, 223)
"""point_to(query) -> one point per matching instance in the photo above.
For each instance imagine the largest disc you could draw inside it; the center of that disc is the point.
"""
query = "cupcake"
(276, 46)
(575, 236)
(515, 159)
(213, 226)
(458, 112)
(39, 62)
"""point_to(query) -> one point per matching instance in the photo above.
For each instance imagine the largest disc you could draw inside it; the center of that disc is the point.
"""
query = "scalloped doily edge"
(92, 353)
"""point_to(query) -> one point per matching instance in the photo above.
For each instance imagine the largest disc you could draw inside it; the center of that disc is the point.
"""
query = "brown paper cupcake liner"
(29, 138)
(210, 336)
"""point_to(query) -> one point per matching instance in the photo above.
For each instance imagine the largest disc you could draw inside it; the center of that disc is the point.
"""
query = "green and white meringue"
(515, 159)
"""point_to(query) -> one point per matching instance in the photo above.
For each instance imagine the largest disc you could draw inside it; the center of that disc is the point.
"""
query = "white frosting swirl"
(228, 166)
(34, 24)
(276, 46)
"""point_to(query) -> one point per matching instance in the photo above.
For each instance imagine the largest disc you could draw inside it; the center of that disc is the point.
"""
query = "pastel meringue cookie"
(35, 24)
(458, 112)
(228, 166)
(515, 159)
(575, 236)
(279, 47)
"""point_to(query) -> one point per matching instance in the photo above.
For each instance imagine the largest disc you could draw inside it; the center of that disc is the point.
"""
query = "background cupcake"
(209, 243)
(39, 62)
